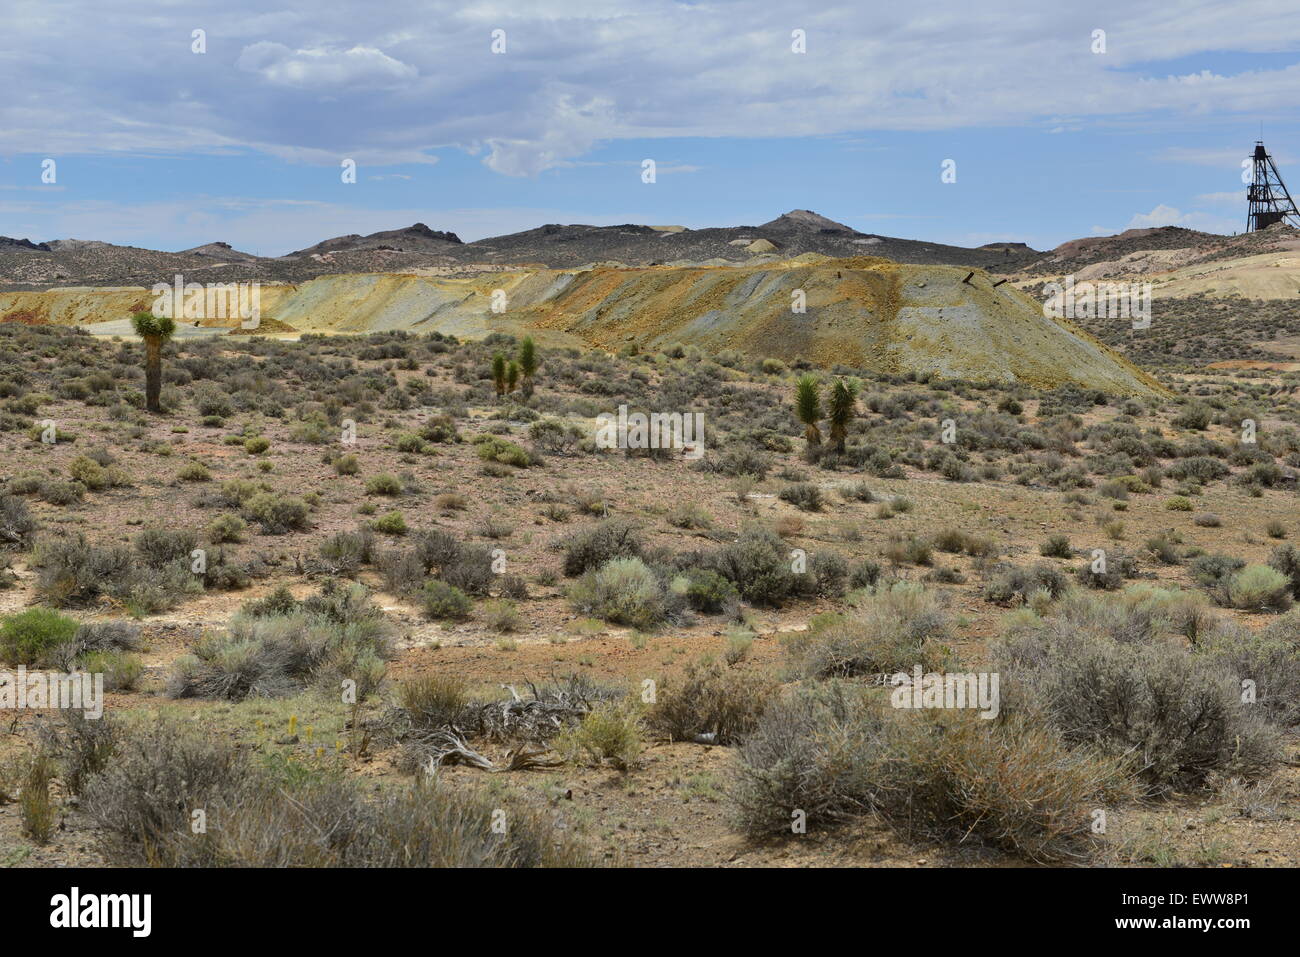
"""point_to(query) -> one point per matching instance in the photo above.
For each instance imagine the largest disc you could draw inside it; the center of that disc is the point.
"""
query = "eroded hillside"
(866, 312)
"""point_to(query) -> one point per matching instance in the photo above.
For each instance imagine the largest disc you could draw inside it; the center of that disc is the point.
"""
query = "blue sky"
(156, 145)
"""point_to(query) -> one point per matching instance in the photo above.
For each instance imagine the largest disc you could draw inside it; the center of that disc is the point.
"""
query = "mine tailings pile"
(863, 312)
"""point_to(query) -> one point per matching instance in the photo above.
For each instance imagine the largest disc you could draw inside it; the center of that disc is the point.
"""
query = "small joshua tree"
(499, 373)
(512, 376)
(527, 365)
(154, 330)
(843, 406)
(808, 406)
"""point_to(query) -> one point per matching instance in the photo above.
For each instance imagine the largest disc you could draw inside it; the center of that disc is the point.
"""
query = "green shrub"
(225, 528)
(443, 601)
(1016, 585)
(383, 484)
(411, 443)
(889, 632)
(159, 546)
(1195, 417)
(1259, 588)
(711, 700)
(74, 573)
(1270, 658)
(88, 472)
(276, 513)
(1177, 717)
(333, 636)
(285, 813)
(1056, 546)
(1286, 559)
(434, 700)
(440, 429)
(121, 670)
(256, 445)
(343, 553)
(237, 492)
(16, 523)
(611, 731)
(802, 495)
(758, 564)
(27, 637)
(592, 547)
(194, 472)
(626, 592)
(831, 752)
(493, 449)
(705, 590)
(390, 523)
(35, 805)
(62, 493)
(908, 550)
(501, 614)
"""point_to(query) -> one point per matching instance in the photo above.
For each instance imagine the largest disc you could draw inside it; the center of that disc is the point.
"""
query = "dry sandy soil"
(671, 809)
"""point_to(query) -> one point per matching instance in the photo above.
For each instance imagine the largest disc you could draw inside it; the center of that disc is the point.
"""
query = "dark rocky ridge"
(25, 264)
(5, 241)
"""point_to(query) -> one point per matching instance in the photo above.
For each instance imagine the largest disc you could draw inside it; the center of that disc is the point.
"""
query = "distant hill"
(6, 242)
(222, 251)
(418, 248)
(416, 238)
(792, 234)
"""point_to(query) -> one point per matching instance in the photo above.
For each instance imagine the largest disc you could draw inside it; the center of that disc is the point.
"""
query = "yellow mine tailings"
(864, 312)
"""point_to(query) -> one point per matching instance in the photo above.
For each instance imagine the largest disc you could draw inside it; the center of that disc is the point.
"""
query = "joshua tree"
(499, 373)
(527, 365)
(154, 330)
(512, 376)
(808, 406)
(843, 402)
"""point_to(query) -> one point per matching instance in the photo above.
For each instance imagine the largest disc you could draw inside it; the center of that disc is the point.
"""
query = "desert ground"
(433, 621)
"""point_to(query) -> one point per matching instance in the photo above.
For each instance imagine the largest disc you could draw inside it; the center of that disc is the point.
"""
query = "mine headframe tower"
(1267, 195)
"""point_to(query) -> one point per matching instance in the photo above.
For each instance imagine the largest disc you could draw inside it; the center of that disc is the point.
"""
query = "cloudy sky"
(156, 144)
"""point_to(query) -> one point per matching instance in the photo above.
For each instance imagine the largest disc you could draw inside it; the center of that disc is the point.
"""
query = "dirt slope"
(863, 312)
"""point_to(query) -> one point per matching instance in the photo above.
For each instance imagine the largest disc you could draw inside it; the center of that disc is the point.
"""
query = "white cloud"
(360, 68)
(568, 129)
(1163, 215)
(394, 81)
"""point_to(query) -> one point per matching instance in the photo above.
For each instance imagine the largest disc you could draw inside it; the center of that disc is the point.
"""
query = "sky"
(490, 117)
